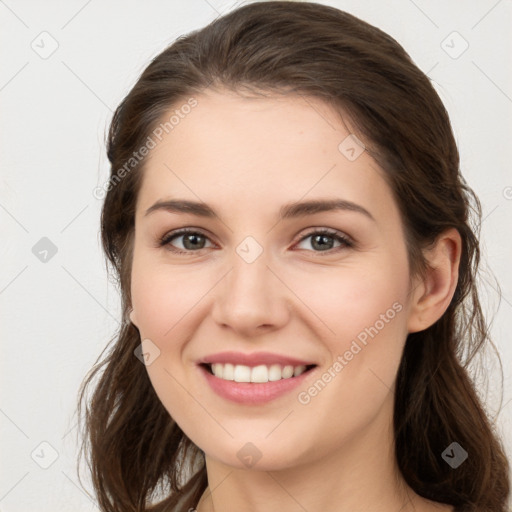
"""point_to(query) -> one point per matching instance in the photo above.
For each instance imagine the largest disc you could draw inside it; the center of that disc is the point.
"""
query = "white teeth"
(275, 373)
(228, 371)
(261, 373)
(242, 374)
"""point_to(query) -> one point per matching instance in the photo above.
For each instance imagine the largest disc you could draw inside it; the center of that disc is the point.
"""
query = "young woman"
(292, 237)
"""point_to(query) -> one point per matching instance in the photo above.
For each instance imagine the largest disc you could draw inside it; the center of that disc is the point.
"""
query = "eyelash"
(344, 240)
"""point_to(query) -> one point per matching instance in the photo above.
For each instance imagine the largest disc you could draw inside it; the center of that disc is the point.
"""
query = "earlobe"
(433, 294)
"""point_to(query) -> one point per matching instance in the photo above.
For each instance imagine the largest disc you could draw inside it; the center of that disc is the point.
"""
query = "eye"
(194, 240)
(321, 239)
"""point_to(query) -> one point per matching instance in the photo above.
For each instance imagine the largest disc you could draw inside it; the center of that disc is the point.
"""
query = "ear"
(432, 294)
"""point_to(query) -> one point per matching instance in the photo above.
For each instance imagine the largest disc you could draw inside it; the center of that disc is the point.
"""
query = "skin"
(248, 157)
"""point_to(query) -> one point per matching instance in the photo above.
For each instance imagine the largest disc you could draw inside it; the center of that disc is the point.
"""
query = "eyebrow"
(287, 211)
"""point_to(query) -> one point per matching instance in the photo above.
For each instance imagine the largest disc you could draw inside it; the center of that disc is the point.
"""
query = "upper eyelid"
(185, 231)
(309, 232)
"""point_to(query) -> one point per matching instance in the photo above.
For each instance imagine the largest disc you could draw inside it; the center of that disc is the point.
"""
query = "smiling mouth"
(256, 374)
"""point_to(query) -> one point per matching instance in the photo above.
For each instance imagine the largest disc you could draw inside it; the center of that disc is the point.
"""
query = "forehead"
(260, 152)
(230, 124)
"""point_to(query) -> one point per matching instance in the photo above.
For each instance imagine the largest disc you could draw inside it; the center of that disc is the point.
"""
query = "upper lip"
(253, 359)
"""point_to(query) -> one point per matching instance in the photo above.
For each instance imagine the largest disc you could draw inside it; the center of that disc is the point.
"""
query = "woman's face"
(250, 281)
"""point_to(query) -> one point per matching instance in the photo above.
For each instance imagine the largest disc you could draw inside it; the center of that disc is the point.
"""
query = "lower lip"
(253, 392)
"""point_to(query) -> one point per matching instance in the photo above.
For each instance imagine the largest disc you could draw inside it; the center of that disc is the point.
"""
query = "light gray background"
(56, 316)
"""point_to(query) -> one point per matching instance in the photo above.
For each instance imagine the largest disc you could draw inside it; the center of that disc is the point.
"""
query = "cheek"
(362, 311)
(346, 300)
(164, 302)
(159, 296)
(366, 312)
(351, 298)
(161, 299)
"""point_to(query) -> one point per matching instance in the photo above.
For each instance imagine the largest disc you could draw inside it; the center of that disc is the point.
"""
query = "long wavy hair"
(138, 457)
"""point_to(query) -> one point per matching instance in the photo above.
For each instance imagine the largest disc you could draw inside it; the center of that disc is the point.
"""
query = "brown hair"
(135, 449)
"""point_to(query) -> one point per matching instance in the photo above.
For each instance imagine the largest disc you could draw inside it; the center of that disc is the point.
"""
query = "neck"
(361, 475)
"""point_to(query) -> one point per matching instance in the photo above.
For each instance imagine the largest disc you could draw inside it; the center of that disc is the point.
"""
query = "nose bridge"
(248, 282)
(250, 295)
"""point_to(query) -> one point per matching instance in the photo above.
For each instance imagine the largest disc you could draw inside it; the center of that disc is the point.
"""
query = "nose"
(251, 299)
